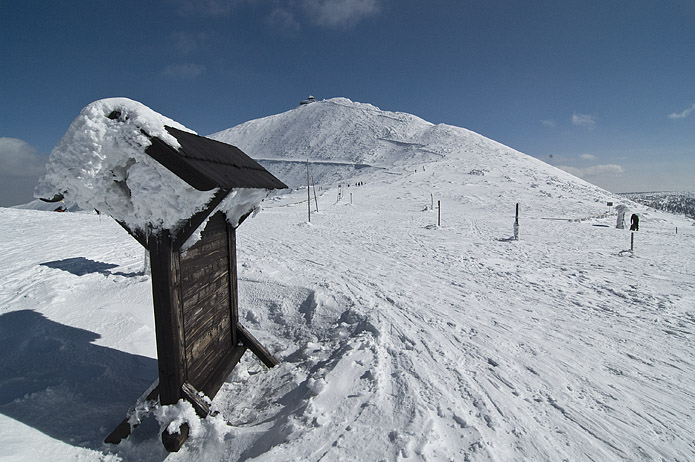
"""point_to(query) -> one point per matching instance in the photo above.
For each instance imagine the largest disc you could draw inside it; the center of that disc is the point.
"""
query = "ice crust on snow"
(100, 163)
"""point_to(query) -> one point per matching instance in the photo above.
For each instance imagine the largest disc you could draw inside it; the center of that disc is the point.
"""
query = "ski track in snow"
(399, 340)
(492, 350)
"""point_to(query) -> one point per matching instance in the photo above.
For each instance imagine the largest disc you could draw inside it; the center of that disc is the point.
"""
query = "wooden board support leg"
(173, 441)
(202, 408)
(123, 430)
(255, 346)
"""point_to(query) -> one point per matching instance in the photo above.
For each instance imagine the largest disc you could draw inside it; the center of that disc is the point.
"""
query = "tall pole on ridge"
(308, 191)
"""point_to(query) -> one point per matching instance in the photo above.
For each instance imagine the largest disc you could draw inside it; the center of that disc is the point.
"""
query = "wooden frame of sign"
(196, 307)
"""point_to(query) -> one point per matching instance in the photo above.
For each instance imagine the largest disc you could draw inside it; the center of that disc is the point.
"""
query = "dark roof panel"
(206, 164)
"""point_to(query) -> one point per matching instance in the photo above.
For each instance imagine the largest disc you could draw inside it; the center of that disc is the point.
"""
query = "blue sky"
(605, 89)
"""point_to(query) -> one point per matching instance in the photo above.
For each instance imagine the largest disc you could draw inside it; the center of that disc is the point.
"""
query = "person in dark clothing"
(634, 222)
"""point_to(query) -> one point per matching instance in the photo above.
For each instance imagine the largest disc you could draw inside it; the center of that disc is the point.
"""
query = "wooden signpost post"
(196, 308)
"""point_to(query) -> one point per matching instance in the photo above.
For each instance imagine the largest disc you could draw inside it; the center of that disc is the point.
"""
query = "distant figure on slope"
(634, 222)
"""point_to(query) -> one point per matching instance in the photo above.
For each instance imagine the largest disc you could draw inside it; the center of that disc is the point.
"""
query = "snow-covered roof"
(206, 164)
(148, 171)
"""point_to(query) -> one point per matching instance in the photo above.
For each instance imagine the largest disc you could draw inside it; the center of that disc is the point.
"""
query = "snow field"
(526, 334)
(399, 340)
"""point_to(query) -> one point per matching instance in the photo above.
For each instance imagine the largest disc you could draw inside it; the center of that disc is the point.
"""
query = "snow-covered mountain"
(674, 202)
(343, 139)
(399, 339)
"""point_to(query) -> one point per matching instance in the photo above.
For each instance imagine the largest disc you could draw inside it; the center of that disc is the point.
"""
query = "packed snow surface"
(400, 339)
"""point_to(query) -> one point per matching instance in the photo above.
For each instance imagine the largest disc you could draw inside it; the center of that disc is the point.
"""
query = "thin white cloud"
(283, 20)
(595, 170)
(548, 123)
(340, 13)
(683, 114)
(20, 159)
(587, 156)
(584, 120)
(184, 42)
(183, 71)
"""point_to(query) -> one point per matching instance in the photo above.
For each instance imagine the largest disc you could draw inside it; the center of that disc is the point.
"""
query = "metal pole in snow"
(439, 213)
(632, 241)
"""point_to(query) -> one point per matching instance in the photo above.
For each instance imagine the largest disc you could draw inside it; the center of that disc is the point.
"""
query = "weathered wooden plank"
(218, 375)
(206, 365)
(202, 278)
(208, 327)
(211, 329)
(168, 318)
(216, 339)
(255, 346)
(207, 240)
(213, 306)
(206, 245)
(212, 262)
(202, 408)
(233, 285)
(208, 297)
(205, 256)
(209, 307)
(200, 289)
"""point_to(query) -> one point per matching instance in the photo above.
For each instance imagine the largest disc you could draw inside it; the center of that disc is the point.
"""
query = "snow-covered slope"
(398, 339)
(343, 140)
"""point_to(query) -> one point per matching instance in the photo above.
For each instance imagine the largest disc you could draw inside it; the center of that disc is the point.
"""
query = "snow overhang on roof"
(206, 164)
(149, 172)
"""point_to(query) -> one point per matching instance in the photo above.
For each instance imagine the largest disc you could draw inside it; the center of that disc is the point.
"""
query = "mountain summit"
(343, 140)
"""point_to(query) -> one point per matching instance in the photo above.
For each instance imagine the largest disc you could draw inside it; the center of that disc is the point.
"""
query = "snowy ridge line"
(345, 102)
(318, 162)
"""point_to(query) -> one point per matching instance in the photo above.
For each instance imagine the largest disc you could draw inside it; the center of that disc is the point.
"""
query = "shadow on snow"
(80, 266)
(57, 381)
